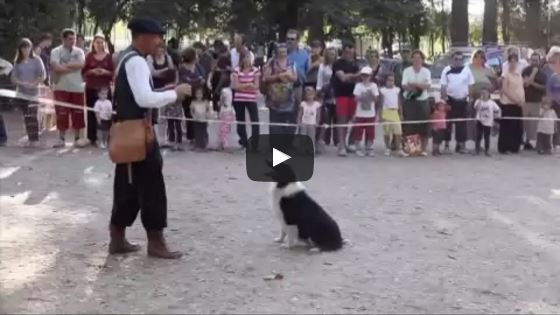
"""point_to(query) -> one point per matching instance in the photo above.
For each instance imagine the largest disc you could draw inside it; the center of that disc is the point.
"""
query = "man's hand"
(183, 90)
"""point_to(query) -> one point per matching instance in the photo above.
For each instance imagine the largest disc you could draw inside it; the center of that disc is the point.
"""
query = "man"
(300, 58)
(81, 43)
(239, 45)
(45, 43)
(140, 186)
(455, 82)
(406, 61)
(345, 76)
(534, 80)
(67, 62)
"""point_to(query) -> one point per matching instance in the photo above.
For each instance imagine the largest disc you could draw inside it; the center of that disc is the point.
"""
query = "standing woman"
(416, 81)
(192, 73)
(163, 74)
(553, 89)
(512, 100)
(316, 60)
(98, 74)
(28, 73)
(484, 79)
(245, 82)
(325, 92)
(375, 64)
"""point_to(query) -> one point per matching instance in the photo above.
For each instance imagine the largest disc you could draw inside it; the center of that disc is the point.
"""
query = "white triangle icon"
(279, 157)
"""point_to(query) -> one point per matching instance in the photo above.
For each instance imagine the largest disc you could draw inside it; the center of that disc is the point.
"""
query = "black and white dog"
(303, 221)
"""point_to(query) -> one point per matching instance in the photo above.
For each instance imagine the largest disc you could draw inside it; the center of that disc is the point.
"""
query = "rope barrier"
(42, 100)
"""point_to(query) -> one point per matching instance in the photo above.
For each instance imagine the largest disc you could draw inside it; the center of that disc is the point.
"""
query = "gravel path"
(457, 234)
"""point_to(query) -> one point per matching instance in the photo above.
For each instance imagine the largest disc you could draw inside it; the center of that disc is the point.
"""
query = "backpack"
(279, 95)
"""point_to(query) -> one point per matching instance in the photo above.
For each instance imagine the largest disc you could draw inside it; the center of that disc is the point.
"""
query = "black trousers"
(29, 119)
(200, 134)
(329, 117)
(544, 143)
(511, 130)
(483, 131)
(91, 98)
(189, 123)
(174, 130)
(458, 110)
(146, 193)
(282, 118)
(253, 110)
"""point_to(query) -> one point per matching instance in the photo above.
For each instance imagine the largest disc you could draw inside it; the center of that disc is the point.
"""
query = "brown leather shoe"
(157, 247)
(119, 244)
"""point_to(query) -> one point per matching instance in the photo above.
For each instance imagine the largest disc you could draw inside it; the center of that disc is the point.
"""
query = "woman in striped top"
(245, 83)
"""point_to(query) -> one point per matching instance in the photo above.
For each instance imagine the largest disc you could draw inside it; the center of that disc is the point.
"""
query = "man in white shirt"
(239, 46)
(140, 186)
(455, 82)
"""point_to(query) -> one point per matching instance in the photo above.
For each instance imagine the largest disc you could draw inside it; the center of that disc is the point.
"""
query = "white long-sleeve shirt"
(324, 75)
(139, 78)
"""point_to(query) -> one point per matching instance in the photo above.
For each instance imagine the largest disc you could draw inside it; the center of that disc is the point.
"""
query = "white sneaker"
(102, 145)
(370, 153)
(360, 153)
(352, 148)
(80, 143)
(402, 154)
(388, 152)
(342, 152)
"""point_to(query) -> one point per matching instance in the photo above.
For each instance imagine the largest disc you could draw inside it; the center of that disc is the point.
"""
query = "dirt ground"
(457, 234)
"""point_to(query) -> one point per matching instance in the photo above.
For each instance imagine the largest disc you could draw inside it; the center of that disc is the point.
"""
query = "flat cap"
(143, 25)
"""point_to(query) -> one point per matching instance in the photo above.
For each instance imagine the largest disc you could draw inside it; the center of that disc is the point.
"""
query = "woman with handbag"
(139, 184)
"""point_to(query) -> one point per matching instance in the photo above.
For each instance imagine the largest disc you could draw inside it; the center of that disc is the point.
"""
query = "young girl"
(392, 112)
(200, 111)
(174, 112)
(309, 114)
(104, 113)
(227, 116)
(439, 127)
(366, 94)
(545, 127)
(486, 111)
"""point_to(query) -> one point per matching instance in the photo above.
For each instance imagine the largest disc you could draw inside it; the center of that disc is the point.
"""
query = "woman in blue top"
(27, 75)
(553, 89)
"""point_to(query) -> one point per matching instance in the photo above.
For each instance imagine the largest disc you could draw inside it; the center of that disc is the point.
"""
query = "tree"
(534, 32)
(30, 18)
(106, 13)
(460, 23)
(506, 20)
(490, 22)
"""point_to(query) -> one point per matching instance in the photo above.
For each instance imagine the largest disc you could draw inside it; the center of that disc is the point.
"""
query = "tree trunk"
(81, 16)
(490, 23)
(506, 20)
(460, 23)
(534, 34)
(387, 40)
(291, 21)
(444, 26)
(317, 21)
(241, 21)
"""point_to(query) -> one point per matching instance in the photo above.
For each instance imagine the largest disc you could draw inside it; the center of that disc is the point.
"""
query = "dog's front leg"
(282, 237)
(292, 234)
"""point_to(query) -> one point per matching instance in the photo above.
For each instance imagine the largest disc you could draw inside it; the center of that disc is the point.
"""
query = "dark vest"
(126, 106)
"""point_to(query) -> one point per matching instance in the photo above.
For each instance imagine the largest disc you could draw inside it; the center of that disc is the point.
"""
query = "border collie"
(304, 222)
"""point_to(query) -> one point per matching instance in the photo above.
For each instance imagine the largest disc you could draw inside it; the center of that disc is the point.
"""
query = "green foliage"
(30, 18)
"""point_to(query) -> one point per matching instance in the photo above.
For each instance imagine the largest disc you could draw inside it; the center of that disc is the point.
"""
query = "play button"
(279, 157)
(272, 158)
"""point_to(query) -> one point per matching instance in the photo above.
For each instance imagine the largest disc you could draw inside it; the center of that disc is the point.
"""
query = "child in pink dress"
(227, 117)
(439, 127)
